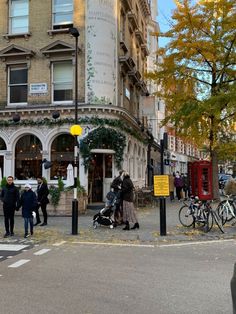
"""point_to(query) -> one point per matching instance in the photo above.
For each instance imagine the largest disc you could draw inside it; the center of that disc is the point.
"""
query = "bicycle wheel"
(185, 216)
(218, 221)
(209, 222)
(222, 212)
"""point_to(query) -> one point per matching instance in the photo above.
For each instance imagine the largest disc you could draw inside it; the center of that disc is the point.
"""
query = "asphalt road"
(94, 279)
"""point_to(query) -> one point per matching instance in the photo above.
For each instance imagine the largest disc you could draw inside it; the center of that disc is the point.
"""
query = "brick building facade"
(37, 70)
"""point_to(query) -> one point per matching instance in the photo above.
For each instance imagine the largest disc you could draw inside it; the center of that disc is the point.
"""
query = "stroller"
(103, 217)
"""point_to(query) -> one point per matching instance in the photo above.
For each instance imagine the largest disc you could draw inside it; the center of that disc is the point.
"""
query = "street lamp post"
(75, 131)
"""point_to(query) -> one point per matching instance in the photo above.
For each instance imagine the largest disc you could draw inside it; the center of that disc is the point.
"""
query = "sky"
(164, 13)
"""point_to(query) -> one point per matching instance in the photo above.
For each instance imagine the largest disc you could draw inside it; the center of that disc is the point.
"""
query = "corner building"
(37, 89)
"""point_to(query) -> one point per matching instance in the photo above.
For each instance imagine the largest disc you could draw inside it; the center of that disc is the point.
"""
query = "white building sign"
(38, 88)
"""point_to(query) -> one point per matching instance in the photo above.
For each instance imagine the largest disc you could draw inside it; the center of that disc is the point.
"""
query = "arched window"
(2, 144)
(28, 157)
(62, 153)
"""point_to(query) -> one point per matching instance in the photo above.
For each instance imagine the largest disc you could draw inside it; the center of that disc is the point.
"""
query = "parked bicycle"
(200, 213)
(227, 209)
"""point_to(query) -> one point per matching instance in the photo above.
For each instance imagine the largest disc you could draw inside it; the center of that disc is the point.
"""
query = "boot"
(126, 226)
(136, 225)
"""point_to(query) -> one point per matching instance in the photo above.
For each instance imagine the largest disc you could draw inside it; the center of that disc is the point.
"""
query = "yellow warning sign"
(161, 185)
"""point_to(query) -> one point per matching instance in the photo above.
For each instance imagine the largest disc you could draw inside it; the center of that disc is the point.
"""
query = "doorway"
(100, 176)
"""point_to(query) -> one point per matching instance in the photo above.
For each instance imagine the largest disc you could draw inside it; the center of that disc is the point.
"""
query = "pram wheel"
(111, 226)
(95, 225)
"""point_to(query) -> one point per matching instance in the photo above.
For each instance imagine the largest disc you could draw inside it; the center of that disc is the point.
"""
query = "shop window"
(62, 81)
(19, 16)
(28, 158)
(62, 153)
(62, 15)
(17, 85)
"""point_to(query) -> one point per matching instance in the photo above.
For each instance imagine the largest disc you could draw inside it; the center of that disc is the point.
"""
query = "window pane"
(18, 76)
(62, 72)
(18, 94)
(19, 24)
(63, 5)
(63, 12)
(63, 78)
(61, 86)
(28, 158)
(63, 95)
(19, 7)
(63, 18)
(62, 153)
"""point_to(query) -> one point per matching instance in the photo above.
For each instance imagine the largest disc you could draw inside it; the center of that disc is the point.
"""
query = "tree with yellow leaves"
(197, 74)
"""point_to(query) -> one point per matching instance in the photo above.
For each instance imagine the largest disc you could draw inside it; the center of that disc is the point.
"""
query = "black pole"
(162, 199)
(76, 147)
(149, 178)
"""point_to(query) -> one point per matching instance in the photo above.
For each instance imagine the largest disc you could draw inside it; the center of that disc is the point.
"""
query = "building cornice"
(45, 111)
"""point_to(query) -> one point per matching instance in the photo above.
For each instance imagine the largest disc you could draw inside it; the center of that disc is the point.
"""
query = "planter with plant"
(61, 199)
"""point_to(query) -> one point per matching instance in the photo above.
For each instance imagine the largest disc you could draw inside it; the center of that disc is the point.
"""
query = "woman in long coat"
(129, 212)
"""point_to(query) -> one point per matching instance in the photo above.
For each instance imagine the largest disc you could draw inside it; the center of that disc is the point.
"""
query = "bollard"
(75, 216)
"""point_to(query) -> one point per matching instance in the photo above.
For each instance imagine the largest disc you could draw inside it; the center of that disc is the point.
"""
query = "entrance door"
(100, 175)
(107, 174)
(95, 179)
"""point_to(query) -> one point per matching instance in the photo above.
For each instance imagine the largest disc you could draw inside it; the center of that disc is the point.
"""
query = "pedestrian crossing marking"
(19, 263)
(41, 252)
(59, 243)
(12, 247)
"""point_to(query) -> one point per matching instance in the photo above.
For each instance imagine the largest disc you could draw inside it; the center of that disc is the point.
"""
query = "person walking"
(10, 197)
(185, 185)
(127, 193)
(178, 182)
(42, 198)
(171, 186)
(28, 202)
(116, 186)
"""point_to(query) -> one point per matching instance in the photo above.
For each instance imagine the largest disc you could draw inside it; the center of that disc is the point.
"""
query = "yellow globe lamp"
(76, 130)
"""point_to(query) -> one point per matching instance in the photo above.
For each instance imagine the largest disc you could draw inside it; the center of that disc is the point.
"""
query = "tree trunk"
(215, 179)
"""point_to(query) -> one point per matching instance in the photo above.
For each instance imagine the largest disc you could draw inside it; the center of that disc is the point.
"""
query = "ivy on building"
(103, 138)
(95, 120)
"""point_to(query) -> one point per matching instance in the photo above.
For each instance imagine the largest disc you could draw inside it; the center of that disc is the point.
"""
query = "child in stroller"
(103, 217)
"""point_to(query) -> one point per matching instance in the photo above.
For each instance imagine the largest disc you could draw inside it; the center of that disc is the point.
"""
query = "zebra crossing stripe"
(19, 263)
(41, 252)
(12, 247)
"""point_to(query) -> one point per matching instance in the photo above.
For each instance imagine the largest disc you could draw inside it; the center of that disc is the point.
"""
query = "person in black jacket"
(28, 201)
(10, 197)
(129, 212)
(42, 198)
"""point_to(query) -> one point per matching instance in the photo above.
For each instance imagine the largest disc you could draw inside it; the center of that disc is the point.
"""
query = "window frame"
(16, 67)
(53, 83)
(11, 17)
(62, 25)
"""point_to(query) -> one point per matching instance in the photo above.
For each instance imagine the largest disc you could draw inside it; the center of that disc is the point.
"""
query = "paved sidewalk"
(60, 228)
